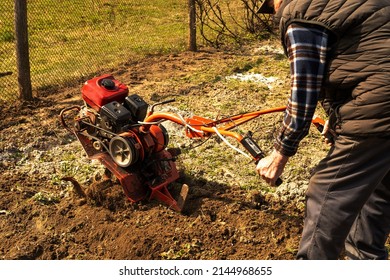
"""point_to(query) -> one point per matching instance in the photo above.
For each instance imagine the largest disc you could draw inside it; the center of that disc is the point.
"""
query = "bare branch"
(226, 21)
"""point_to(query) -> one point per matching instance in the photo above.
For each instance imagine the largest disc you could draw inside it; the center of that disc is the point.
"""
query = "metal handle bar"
(203, 127)
(208, 126)
(61, 116)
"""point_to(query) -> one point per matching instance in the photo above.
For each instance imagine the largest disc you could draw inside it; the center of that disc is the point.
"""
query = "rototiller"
(127, 136)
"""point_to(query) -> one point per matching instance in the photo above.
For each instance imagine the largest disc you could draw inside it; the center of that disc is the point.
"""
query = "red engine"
(109, 128)
(102, 90)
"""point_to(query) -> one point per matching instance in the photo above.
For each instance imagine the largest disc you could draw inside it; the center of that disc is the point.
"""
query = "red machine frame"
(195, 127)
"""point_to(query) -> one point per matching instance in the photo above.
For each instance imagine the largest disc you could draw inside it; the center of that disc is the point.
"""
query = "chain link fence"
(72, 39)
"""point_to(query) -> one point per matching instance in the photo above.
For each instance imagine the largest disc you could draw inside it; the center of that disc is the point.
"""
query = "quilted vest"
(356, 92)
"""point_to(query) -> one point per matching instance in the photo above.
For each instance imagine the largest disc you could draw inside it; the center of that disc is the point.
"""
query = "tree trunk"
(192, 16)
(22, 51)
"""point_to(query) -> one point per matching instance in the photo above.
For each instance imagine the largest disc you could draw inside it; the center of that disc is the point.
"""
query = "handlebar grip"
(160, 103)
(251, 146)
(278, 182)
(168, 101)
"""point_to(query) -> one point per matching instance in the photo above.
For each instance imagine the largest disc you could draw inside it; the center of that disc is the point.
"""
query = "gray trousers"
(348, 202)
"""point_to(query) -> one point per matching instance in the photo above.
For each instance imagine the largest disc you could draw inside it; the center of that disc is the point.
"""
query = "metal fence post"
(22, 52)
(192, 18)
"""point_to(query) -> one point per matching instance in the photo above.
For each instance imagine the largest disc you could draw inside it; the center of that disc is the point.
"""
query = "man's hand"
(328, 134)
(271, 167)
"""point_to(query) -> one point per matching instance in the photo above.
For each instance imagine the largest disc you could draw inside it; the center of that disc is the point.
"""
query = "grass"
(72, 39)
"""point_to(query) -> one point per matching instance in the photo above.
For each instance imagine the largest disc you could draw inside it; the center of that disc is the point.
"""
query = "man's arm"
(307, 49)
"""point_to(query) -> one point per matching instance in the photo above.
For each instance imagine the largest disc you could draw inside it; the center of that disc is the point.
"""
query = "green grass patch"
(72, 39)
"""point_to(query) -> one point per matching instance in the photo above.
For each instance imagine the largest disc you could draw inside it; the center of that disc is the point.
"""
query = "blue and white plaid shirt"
(307, 48)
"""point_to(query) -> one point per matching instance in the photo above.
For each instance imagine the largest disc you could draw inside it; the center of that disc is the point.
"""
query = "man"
(339, 53)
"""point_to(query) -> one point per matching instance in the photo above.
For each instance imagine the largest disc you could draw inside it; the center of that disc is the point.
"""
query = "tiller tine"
(168, 174)
(183, 196)
(136, 189)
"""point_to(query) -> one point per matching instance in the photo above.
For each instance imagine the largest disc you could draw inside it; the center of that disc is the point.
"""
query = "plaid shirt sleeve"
(307, 49)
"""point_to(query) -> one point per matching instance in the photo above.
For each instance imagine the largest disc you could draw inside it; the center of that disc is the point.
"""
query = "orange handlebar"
(202, 127)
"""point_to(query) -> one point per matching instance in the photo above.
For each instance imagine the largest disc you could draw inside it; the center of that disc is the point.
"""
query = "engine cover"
(116, 114)
(137, 106)
(102, 90)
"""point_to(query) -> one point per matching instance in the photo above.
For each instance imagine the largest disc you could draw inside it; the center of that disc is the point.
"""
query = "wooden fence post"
(22, 51)
(192, 18)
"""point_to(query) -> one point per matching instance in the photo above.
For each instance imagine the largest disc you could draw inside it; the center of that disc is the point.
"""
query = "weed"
(46, 198)
(184, 251)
